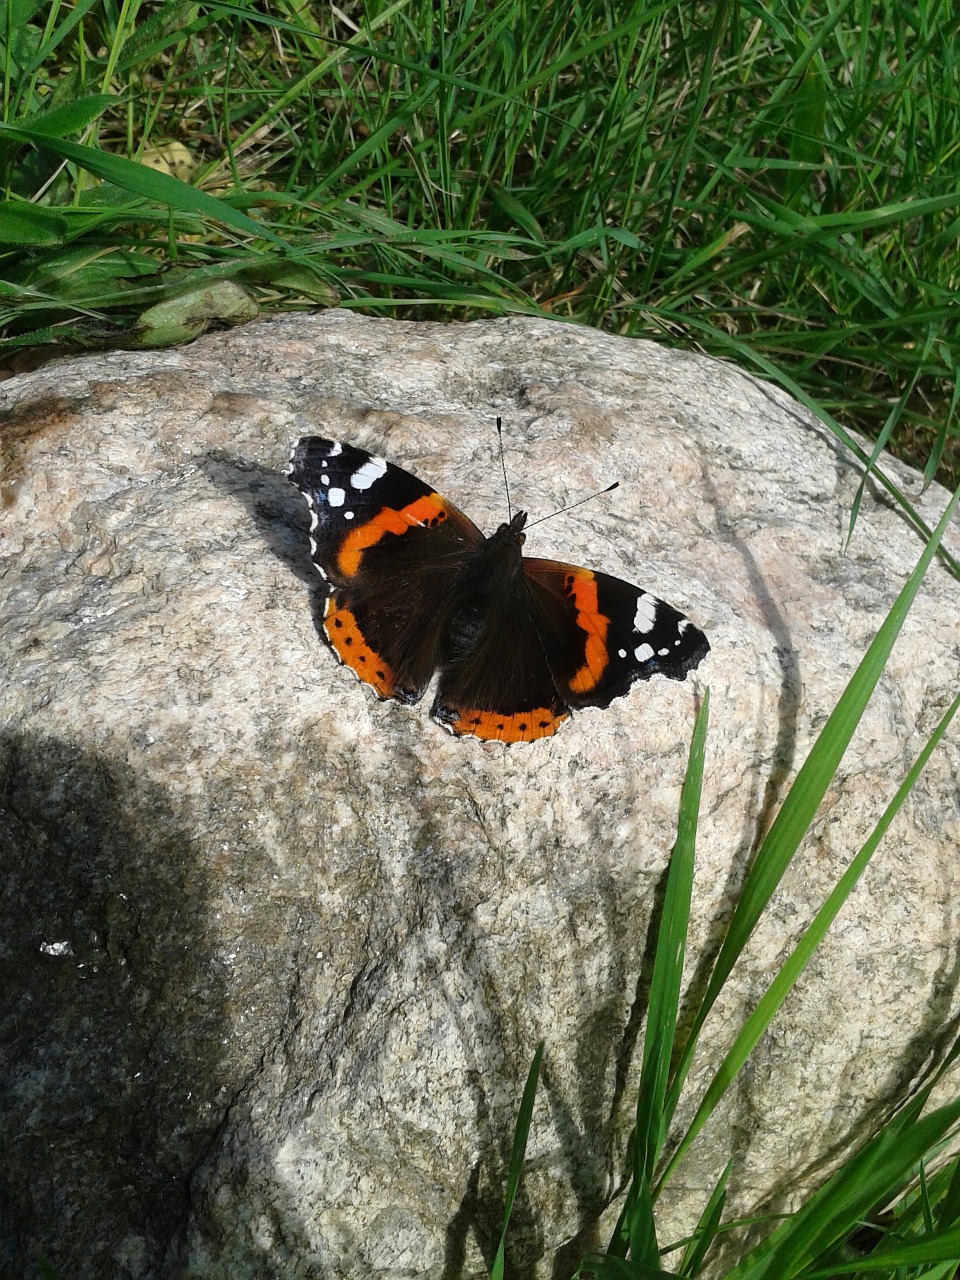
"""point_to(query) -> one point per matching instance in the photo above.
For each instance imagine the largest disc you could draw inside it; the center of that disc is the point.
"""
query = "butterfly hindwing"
(495, 681)
(390, 549)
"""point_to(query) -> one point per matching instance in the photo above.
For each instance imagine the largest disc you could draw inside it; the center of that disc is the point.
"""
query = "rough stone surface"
(275, 957)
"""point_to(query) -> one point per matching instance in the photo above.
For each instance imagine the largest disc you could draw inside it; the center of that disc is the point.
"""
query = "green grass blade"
(894, 416)
(521, 1133)
(804, 798)
(807, 118)
(635, 1227)
(641, 1225)
(70, 118)
(706, 1231)
(668, 962)
(25, 223)
(946, 425)
(948, 1210)
(142, 181)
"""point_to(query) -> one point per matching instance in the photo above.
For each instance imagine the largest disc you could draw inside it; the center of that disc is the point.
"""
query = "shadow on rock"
(111, 1016)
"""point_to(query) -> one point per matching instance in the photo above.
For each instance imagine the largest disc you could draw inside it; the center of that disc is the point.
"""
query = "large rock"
(276, 956)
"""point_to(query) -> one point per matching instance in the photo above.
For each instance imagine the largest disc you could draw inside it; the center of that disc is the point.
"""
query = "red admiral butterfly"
(415, 588)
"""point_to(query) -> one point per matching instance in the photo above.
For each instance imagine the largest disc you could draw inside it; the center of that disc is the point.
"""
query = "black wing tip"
(308, 450)
(673, 667)
(690, 660)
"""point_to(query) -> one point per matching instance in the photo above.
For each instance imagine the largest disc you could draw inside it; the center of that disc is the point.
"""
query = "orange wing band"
(524, 726)
(582, 586)
(428, 510)
(346, 640)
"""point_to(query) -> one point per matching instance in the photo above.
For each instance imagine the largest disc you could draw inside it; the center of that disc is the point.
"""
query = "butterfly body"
(416, 590)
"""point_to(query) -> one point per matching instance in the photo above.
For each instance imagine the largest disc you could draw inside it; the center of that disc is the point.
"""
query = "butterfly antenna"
(503, 467)
(579, 503)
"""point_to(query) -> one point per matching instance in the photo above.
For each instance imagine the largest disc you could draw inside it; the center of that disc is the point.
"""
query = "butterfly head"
(512, 531)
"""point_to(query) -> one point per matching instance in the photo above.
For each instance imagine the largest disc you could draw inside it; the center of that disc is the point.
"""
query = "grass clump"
(779, 184)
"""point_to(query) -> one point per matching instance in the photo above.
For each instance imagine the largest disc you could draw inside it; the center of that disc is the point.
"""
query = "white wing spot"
(662, 653)
(337, 449)
(368, 475)
(646, 614)
(336, 497)
(324, 479)
(348, 515)
(621, 653)
(643, 653)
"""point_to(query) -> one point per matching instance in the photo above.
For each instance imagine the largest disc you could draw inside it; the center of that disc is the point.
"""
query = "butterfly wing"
(391, 551)
(601, 634)
(495, 682)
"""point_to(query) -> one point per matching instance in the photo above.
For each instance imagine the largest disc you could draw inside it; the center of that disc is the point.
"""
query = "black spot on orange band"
(346, 640)
(523, 726)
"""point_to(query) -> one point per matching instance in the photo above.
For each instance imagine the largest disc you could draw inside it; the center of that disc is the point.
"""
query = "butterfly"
(415, 590)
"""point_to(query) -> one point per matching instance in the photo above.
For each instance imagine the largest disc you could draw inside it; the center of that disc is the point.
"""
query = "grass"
(778, 184)
(887, 1184)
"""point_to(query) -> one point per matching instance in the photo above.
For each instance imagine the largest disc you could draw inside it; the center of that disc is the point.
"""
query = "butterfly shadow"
(280, 515)
(273, 505)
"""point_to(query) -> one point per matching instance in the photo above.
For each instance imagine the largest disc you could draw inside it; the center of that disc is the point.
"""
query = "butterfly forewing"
(391, 551)
(613, 633)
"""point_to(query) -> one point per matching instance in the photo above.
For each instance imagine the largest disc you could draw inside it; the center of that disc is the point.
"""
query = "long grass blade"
(706, 1230)
(896, 413)
(635, 1228)
(521, 1133)
(142, 180)
(668, 962)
